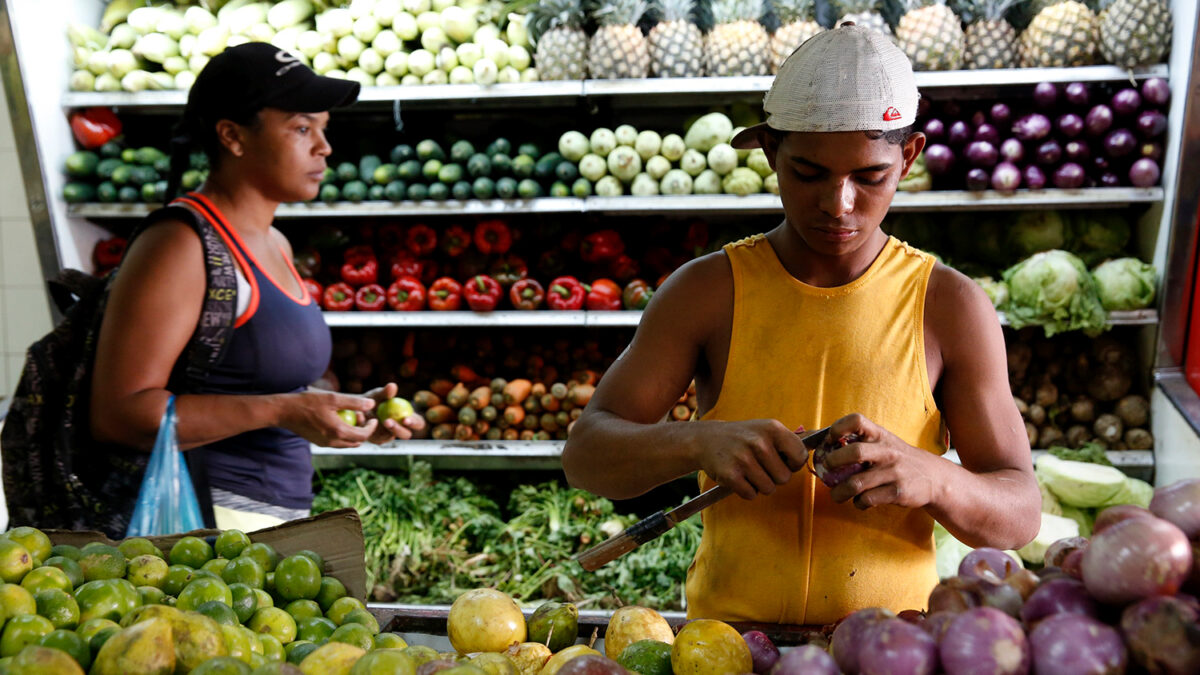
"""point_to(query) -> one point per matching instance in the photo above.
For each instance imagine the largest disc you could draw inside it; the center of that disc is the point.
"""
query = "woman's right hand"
(313, 415)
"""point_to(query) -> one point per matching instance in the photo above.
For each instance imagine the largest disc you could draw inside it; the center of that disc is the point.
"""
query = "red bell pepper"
(483, 293)
(493, 236)
(637, 294)
(696, 239)
(551, 263)
(361, 272)
(108, 253)
(406, 294)
(404, 265)
(390, 237)
(601, 246)
(307, 262)
(565, 293)
(604, 295)
(314, 289)
(526, 294)
(421, 240)
(623, 268)
(509, 270)
(430, 271)
(94, 127)
(445, 295)
(359, 253)
(455, 241)
(370, 298)
(339, 297)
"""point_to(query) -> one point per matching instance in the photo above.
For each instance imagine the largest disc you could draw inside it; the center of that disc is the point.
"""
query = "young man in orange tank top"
(839, 135)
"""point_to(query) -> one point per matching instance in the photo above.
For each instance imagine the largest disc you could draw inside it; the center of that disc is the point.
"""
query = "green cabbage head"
(1125, 283)
(1054, 290)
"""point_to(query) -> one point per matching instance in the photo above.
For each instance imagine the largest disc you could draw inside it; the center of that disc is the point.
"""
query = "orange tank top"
(808, 356)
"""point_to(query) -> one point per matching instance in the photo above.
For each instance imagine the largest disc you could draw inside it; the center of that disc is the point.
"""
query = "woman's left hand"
(389, 429)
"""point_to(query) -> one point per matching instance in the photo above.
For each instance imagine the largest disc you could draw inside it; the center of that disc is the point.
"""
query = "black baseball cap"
(249, 77)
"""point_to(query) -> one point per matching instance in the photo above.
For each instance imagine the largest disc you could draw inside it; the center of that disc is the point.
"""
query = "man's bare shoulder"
(708, 276)
(956, 306)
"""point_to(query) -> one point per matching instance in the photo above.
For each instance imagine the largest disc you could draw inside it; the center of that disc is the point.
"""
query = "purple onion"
(1076, 94)
(951, 108)
(1048, 153)
(1077, 151)
(959, 133)
(1156, 91)
(1161, 635)
(984, 641)
(1033, 177)
(936, 624)
(1059, 550)
(1076, 645)
(978, 179)
(939, 159)
(806, 660)
(1045, 95)
(982, 154)
(762, 651)
(1058, 596)
(1069, 176)
(985, 562)
(832, 477)
(1098, 120)
(1006, 177)
(1126, 102)
(1001, 114)
(1070, 125)
(846, 644)
(1144, 173)
(1179, 504)
(1120, 143)
(896, 646)
(1100, 164)
(1152, 150)
(987, 132)
(978, 118)
(1032, 127)
(935, 130)
(1151, 124)
(1109, 179)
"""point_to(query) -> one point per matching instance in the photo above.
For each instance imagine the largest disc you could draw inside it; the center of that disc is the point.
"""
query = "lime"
(274, 621)
(354, 634)
(421, 653)
(301, 609)
(15, 561)
(389, 641)
(246, 571)
(341, 607)
(363, 617)
(151, 595)
(132, 548)
(219, 612)
(15, 600)
(272, 648)
(97, 641)
(331, 590)
(296, 651)
(231, 543)
(264, 598)
(298, 577)
(648, 657)
(222, 665)
(89, 628)
(245, 601)
(216, 566)
(390, 661)
(237, 642)
(23, 630)
(265, 554)
(147, 570)
(178, 577)
(59, 607)
(314, 629)
(45, 578)
(206, 574)
(106, 599)
(203, 590)
(316, 557)
(69, 642)
(66, 551)
(191, 551)
(34, 540)
(72, 569)
(102, 562)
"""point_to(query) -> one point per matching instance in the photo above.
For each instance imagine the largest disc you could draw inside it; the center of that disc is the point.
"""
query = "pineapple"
(1135, 32)
(618, 49)
(864, 13)
(932, 36)
(796, 26)
(1062, 34)
(738, 44)
(991, 39)
(555, 27)
(676, 43)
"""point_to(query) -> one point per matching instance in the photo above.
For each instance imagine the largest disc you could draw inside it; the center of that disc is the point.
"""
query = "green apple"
(395, 408)
(349, 417)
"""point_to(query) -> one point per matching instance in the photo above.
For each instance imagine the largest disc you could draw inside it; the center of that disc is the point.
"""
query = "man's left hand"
(896, 472)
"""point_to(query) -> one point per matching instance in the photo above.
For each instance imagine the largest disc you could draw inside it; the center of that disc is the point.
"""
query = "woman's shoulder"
(164, 244)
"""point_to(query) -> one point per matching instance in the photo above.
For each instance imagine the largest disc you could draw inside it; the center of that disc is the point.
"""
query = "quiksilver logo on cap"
(290, 61)
(891, 114)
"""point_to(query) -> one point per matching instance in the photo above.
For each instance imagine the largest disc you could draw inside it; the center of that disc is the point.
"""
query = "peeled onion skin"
(1135, 559)
(834, 477)
(1076, 645)
(1163, 636)
(1059, 550)
(1179, 503)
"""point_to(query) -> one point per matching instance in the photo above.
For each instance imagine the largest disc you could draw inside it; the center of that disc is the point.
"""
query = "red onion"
(1070, 125)
(1076, 645)
(1151, 124)
(1032, 127)
(1001, 114)
(1152, 151)
(978, 179)
(1000, 596)
(1069, 176)
(1144, 173)
(1076, 93)
(937, 623)
(834, 477)
(954, 594)
(850, 633)
(1126, 102)
(1011, 150)
(1045, 95)
(1115, 514)
(762, 650)
(1119, 143)
(1077, 151)
(1156, 91)
(592, 664)
(914, 616)
(978, 118)
(939, 159)
(896, 647)
(1073, 563)
(987, 132)
(935, 130)
(1034, 177)
(984, 641)
(1059, 549)
(985, 561)
(1179, 503)
(1098, 120)
(982, 154)
(1048, 153)
(959, 133)
(1135, 559)
(806, 660)
(1024, 582)
(1163, 636)
(1058, 596)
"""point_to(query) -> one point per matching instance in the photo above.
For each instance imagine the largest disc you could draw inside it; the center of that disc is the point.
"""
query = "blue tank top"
(280, 344)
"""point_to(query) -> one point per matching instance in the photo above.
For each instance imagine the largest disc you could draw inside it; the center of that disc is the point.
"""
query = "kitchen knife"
(654, 526)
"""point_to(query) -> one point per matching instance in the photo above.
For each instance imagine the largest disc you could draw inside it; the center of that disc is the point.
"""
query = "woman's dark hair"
(192, 133)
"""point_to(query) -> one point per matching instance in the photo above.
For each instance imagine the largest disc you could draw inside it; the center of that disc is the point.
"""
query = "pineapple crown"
(546, 15)
(729, 11)
(984, 10)
(620, 12)
(795, 10)
(676, 10)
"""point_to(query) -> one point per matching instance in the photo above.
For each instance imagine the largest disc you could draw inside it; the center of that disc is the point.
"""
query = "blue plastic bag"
(167, 502)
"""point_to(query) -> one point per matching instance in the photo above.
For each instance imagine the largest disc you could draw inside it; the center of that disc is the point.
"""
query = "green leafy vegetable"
(1088, 452)
(1054, 290)
(1125, 283)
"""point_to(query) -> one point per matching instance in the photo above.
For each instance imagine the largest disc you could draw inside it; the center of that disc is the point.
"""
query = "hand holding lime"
(395, 408)
(349, 417)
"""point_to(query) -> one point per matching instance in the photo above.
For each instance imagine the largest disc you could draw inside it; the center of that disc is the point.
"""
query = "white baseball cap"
(850, 78)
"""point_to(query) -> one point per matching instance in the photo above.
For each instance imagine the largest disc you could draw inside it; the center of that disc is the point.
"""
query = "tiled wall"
(24, 309)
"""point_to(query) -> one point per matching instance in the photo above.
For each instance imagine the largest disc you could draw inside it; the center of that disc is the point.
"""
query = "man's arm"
(992, 499)
(619, 448)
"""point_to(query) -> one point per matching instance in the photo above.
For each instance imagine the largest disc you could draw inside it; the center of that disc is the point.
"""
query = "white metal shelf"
(939, 200)
(568, 92)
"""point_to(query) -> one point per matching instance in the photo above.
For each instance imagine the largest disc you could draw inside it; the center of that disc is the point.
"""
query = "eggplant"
(1069, 176)
(1049, 153)
(1045, 95)
(1076, 94)
(982, 154)
(978, 179)
(1033, 127)
(1120, 143)
(935, 130)
(1070, 125)
(939, 159)
(1126, 102)
(1151, 124)
(1098, 120)
(1144, 173)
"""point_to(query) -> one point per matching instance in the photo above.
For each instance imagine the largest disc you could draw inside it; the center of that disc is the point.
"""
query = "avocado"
(461, 190)
(402, 153)
(396, 191)
(506, 188)
(483, 188)
(78, 193)
(529, 189)
(479, 166)
(106, 192)
(523, 166)
(429, 149)
(461, 151)
(347, 172)
(82, 164)
(376, 193)
(355, 191)
(330, 194)
(439, 192)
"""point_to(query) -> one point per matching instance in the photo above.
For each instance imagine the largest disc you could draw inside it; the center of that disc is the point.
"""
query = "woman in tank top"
(259, 114)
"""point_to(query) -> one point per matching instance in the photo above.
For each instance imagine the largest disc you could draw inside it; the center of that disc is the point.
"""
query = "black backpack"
(55, 474)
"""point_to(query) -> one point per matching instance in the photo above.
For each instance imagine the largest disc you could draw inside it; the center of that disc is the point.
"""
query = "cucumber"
(523, 166)
(439, 192)
(479, 166)
(546, 166)
(530, 149)
(500, 146)
(111, 149)
(410, 170)
(418, 192)
(330, 194)
(367, 166)
(529, 189)
(346, 172)
(106, 192)
(355, 191)
(129, 195)
(429, 149)
(506, 188)
(376, 193)
(104, 170)
(483, 188)
(461, 151)
(402, 153)
(461, 190)
(396, 191)
(82, 164)
(78, 193)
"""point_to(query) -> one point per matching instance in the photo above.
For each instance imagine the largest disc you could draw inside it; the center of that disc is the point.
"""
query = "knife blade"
(654, 526)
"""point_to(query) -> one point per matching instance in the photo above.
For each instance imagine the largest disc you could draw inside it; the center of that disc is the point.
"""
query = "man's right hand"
(750, 457)
(313, 415)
